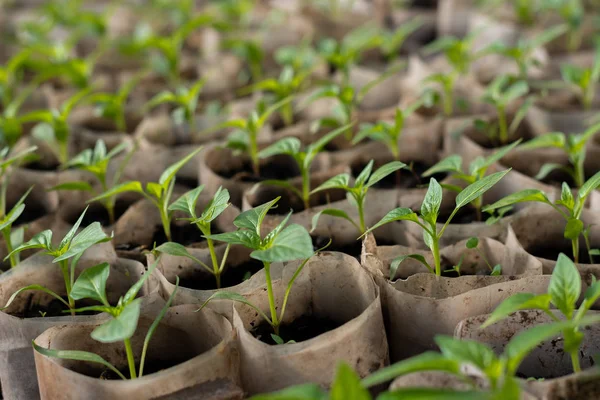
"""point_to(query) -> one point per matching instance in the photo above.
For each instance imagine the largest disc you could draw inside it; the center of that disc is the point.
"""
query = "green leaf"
(42, 240)
(546, 169)
(384, 171)
(217, 205)
(589, 186)
(566, 197)
(247, 238)
(187, 202)
(519, 197)
(292, 243)
(91, 284)
(553, 139)
(136, 287)
(82, 186)
(472, 243)
(467, 351)
(33, 287)
(160, 98)
(155, 190)
(573, 229)
(77, 355)
(88, 237)
(167, 176)
(398, 214)
(334, 212)
(428, 361)
(131, 186)
(282, 184)
(498, 155)
(120, 327)
(289, 145)
(398, 260)
(452, 163)
(66, 241)
(434, 394)
(252, 219)
(565, 285)
(516, 302)
(497, 270)
(477, 189)
(225, 295)
(346, 385)
(340, 181)
(307, 391)
(430, 207)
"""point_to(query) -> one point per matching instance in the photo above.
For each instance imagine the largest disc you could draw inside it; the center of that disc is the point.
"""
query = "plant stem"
(306, 188)
(254, 154)
(130, 359)
(120, 122)
(435, 249)
(164, 217)
(502, 125)
(361, 216)
(575, 361)
(287, 114)
(215, 262)
(64, 266)
(579, 172)
(9, 247)
(272, 308)
(447, 100)
(575, 246)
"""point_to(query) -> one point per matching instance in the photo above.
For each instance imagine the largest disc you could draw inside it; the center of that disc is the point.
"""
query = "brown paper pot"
(422, 306)
(16, 333)
(540, 232)
(548, 361)
(192, 351)
(331, 287)
(453, 17)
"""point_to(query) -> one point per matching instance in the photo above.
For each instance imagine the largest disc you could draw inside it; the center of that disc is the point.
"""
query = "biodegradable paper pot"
(16, 355)
(198, 352)
(422, 306)
(331, 286)
(548, 360)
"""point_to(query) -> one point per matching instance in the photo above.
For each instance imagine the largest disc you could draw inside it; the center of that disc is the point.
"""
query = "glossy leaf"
(247, 238)
(292, 243)
(131, 186)
(565, 285)
(187, 202)
(430, 207)
(289, 145)
(120, 327)
(573, 229)
(347, 386)
(384, 171)
(88, 237)
(519, 197)
(553, 139)
(42, 240)
(398, 260)
(467, 351)
(334, 212)
(398, 214)
(477, 189)
(589, 186)
(452, 163)
(340, 181)
(252, 219)
(167, 176)
(91, 284)
(516, 302)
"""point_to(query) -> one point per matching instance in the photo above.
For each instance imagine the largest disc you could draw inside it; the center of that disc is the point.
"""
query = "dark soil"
(97, 213)
(303, 328)
(352, 249)
(150, 367)
(465, 215)
(230, 277)
(184, 234)
(550, 251)
(277, 167)
(54, 309)
(291, 201)
(404, 178)
(30, 214)
(37, 166)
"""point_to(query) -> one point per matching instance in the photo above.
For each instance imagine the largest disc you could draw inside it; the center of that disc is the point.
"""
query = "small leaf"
(467, 351)
(167, 176)
(131, 186)
(289, 145)
(553, 139)
(565, 285)
(589, 186)
(398, 260)
(136, 287)
(225, 295)
(430, 207)
(120, 327)
(361, 179)
(497, 270)
(91, 235)
(546, 169)
(247, 238)
(347, 386)
(477, 189)
(384, 171)
(187, 202)
(566, 197)
(516, 302)
(340, 181)
(452, 163)
(33, 287)
(334, 212)
(252, 219)
(519, 197)
(292, 243)
(91, 284)
(398, 214)
(42, 240)
(472, 243)
(573, 229)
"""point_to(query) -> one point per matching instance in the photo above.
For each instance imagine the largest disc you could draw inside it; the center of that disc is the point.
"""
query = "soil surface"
(551, 252)
(280, 167)
(404, 178)
(231, 277)
(301, 329)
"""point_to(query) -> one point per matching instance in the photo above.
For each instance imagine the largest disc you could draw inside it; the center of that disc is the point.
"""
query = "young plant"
(71, 247)
(11, 123)
(187, 204)
(563, 293)
(572, 207)
(158, 193)
(251, 51)
(473, 243)
(282, 244)
(574, 145)
(522, 52)
(300, 57)
(96, 162)
(121, 327)
(357, 193)
(112, 105)
(53, 127)
(186, 100)
(289, 83)
(392, 40)
(476, 172)
(430, 209)
(460, 55)
(583, 80)
(292, 147)
(245, 137)
(573, 13)
(11, 76)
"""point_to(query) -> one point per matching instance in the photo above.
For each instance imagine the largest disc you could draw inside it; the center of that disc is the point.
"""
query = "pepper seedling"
(96, 162)
(282, 244)
(574, 145)
(392, 40)
(357, 193)
(11, 76)
(473, 244)
(300, 57)
(500, 94)
(158, 193)
(186, 100)
(187, 204)
(71, 247)
(573, 13)
(11, 124)
(477, 170)
(53, 127)
(563, 293)
(460, 55)
(292, 147)
(430, 209)
(572, 204)
(583, 81)
(91, 285)
(250, 50)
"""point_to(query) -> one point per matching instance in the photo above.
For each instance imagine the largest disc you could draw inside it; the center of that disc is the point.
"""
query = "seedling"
(289, 83)
(112, 105)
(91, 285)
(53, 127)
(300, 57)
(187, 204)
(574, 145)
(158, 193)
(249, 50)
(11, 76)
(583, 80)
(11, 124)
(572, 12)
(392, 40)
(355, 194)
(572, 204)
(430, 209)
(245, 137)
(236, 12)
(473, 243)
(477, 170)
(460, 56)
(96, 162)
(282, 244)
(563, 292)
(455, 268)
(71, 247)
(14, 238)
(186, 101)
(292, 147)
(522, 53)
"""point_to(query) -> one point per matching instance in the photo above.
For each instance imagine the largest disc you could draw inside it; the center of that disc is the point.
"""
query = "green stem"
(575, 246)
(579, 172)
(287, 114)
(254, 154)
(120, 122)
(63, 152)
(448, 101)
(130, 359)
(435, 249)
(502, 125)
(215, 262)
(361, 217)
(9, 247)
(64, 266)
(272, 308)
(164, 217)
(306, 188)
(575, 361)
